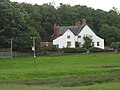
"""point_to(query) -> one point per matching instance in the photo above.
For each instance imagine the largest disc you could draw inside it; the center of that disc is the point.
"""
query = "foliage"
(87, 42)
(74, 50)
(25, 20)
(94, 49)
(115, 45)
(14, 24)
(109, 33)
(52, 48)
(77, 44)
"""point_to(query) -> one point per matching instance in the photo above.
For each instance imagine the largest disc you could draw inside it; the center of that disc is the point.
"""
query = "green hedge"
(52, 48)
(74, 50)
(94, 49)
(118, 50)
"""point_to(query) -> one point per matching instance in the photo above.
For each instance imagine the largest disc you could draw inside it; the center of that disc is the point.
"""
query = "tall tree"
(14, 24)
(110, 34)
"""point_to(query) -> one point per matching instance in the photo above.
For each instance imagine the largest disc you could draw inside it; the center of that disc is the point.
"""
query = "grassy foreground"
(71, 72)
(110, 86)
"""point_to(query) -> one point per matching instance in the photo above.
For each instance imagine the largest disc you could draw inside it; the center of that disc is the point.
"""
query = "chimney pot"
(77, 23)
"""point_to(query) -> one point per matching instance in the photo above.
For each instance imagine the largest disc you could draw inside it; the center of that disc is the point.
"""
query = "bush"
(76, 44)
(87, 43)
(115, 45)
(52, 48)
(74, 50)
(118, 50)
(94, 49)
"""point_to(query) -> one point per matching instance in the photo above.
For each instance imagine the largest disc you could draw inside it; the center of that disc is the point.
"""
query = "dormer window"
(68, 37)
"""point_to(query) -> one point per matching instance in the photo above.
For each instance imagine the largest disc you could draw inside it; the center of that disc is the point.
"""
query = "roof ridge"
(74, 29)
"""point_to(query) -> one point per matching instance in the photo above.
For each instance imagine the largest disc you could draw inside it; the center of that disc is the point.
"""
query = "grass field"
(110, 86)
(70, 72)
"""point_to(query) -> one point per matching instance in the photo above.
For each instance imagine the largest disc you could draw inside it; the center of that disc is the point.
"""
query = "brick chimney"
(55, 29)
(84, 21)
(58, 31)
(77, 23)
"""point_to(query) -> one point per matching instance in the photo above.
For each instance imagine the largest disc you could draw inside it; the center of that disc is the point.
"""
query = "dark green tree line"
(21, 21)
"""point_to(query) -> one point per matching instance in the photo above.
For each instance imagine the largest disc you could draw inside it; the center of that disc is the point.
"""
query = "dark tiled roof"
(75, 29)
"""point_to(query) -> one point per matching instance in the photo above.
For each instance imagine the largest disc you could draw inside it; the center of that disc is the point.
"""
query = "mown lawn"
(76, 71)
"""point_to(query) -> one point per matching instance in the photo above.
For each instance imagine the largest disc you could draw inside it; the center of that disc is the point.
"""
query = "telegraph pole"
(33, 49)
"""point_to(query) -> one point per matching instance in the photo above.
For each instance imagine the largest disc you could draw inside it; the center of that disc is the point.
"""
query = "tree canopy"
(21, 21)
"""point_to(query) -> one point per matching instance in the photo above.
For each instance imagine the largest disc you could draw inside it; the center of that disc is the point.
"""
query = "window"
(92, 43)
(79, 36)
(98, 44)
(68, 44)
(68, 37)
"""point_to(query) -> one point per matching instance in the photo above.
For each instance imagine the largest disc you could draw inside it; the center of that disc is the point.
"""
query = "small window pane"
(79, 36)
(98, 44)
(68, 37)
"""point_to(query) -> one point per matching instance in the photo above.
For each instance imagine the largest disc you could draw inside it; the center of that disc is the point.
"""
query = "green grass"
(109, 86)
(61, 71)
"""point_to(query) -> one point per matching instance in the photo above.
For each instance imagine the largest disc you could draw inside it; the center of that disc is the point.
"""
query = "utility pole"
(33, 49)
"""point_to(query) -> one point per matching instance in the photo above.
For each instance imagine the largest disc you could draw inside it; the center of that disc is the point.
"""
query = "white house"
(67, 36)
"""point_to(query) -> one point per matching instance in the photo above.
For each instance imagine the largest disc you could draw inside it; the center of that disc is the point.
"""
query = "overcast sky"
(96, 4)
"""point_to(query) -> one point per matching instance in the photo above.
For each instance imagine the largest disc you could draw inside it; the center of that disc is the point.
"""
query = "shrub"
(118, 50)
(94, 49)
(76, 44)
(52, 48)
(115, 45)
(87, 43)
(74, 50)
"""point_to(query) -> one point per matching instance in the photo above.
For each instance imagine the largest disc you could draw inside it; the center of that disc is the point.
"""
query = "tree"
(25, 20)
(110, 34)
(87, 43)
(115, 45)
(14, 23)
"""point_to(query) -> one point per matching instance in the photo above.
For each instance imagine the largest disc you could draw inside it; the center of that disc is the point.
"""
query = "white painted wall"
(62, 40)
(87, 31)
